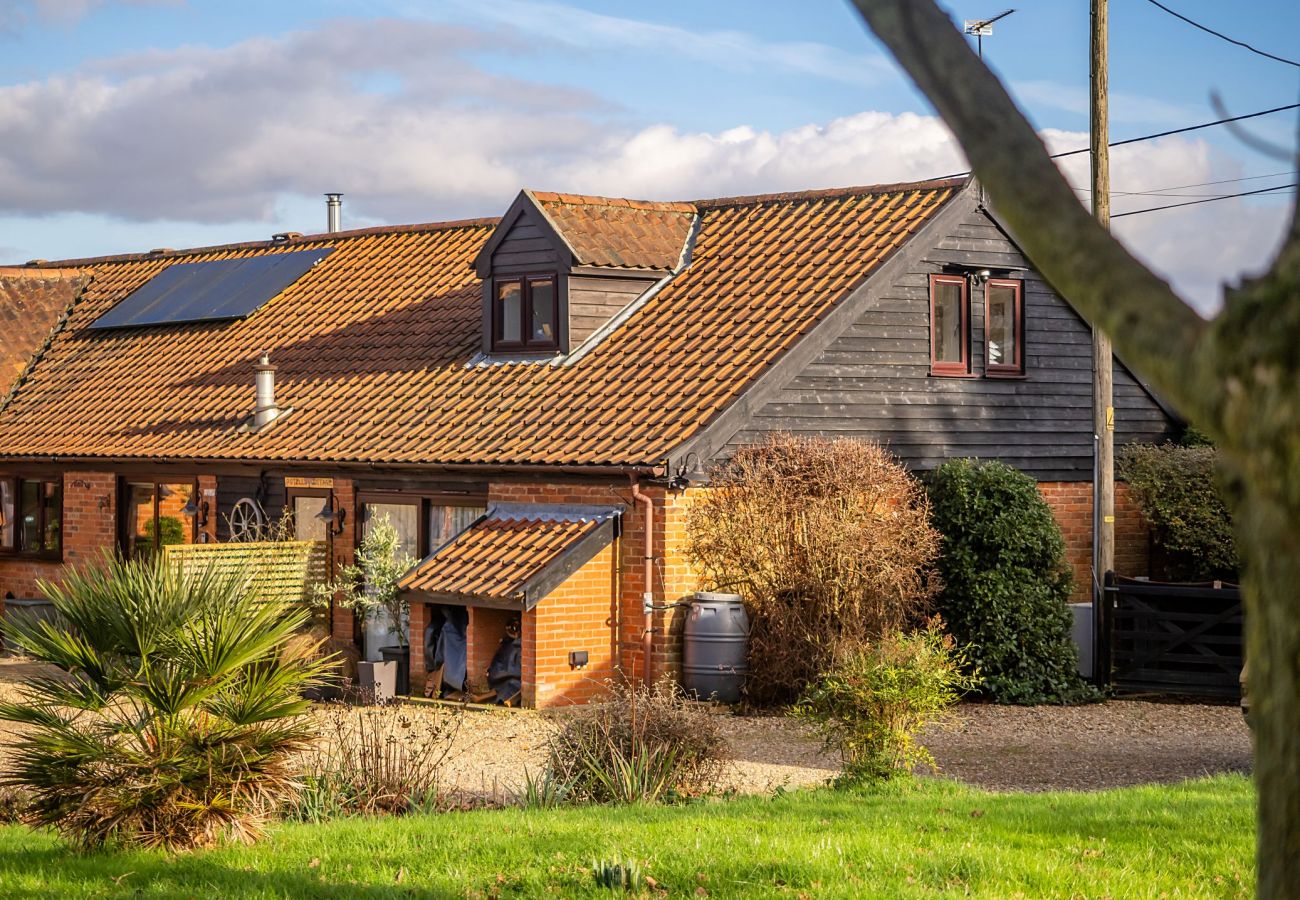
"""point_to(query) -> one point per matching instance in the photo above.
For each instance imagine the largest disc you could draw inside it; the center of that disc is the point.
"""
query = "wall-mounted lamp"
(333, 518)
(981, 277)
(199, 509)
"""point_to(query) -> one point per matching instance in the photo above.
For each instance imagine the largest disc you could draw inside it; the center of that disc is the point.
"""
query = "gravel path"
(1039, 748)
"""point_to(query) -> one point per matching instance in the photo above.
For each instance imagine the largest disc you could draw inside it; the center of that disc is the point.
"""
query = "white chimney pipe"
(333, 212)
(266, 411)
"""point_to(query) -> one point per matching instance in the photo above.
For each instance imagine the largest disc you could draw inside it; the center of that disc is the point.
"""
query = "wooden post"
(1103, 404)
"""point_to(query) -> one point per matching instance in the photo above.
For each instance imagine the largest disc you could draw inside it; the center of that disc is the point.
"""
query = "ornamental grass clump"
(179, 718)
(377, 760)
(642, 745)
(828, 541)
(871, 703)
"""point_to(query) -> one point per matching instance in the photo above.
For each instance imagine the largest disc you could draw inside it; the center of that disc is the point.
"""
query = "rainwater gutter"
(647, 598)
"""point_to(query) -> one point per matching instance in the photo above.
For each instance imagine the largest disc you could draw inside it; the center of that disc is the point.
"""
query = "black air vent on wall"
(210, 291)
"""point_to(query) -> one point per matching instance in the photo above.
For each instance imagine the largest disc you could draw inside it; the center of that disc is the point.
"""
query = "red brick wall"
(89, 528)
(1071, 503)
(343, 551)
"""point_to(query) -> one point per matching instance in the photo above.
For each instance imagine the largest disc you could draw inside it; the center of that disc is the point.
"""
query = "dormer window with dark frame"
(949, 326)
(526, 314)
(1004, 328)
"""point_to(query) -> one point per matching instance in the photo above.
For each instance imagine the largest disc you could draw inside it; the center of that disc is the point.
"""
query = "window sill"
(934, 374)
(18, 556)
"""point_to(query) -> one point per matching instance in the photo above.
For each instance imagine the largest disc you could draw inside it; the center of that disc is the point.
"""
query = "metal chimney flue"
(333, 212)
(266, 411)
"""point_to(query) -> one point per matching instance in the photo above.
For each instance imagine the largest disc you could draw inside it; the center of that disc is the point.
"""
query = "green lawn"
(1189, 840)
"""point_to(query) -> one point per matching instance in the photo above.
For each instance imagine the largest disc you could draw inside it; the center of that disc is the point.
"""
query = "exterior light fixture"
(200, 510)
(333, 518)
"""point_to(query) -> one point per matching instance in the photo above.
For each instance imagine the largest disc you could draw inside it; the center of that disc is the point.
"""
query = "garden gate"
(1171, 638)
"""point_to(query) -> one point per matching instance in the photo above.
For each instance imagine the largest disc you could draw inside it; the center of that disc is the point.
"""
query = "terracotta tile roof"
(499, 559)
(632, 234)
(373, 345)
(31, 302)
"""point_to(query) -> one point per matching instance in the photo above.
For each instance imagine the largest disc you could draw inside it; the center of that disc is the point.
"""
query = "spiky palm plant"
(178, 718)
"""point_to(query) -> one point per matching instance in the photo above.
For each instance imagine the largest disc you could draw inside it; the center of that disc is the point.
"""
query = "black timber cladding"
(211, 290)
(872, 379)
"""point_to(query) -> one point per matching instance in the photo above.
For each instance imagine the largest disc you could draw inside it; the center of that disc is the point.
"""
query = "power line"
(1179, 187)
(1224, 37)
(1268, 190)
(1160, 134)
(1184, 130)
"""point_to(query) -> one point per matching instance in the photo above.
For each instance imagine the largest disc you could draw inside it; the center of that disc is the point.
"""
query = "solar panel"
(210, 291)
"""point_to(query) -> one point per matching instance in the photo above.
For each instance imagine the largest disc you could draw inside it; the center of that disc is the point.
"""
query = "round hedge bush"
(1006, 582)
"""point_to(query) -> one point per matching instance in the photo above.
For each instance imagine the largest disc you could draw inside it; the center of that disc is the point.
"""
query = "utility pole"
(1103, 404)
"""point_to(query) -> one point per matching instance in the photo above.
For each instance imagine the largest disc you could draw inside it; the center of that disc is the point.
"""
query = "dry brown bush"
(828, 541)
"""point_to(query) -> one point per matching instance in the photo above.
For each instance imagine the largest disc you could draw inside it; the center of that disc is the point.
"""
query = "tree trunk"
(1269, 534)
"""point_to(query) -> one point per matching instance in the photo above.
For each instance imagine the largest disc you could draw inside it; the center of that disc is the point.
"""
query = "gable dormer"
(560, 267)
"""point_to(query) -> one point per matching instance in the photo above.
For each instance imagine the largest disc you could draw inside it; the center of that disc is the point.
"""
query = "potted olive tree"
(368, 587)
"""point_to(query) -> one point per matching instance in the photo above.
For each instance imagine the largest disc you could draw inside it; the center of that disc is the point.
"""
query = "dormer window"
(526, 314)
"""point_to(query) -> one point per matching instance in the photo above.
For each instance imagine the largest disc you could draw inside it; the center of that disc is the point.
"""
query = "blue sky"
(147, 123)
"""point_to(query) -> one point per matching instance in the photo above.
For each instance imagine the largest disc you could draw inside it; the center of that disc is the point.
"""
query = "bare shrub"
(642, 745)
(376, 760)
(828, 541)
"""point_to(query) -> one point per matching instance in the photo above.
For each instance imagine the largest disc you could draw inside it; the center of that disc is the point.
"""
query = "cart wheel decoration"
(247, 521)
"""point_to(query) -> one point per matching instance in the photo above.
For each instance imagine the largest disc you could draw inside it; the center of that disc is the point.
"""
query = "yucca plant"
(179, 718)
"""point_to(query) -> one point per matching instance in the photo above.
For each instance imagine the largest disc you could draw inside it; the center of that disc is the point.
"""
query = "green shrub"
(179, 719)
(1176, 490)
(1006, 582)
(642, 745)
(871, 703)
(828, 541)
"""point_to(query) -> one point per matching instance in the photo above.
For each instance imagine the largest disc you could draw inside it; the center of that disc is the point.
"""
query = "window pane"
(174, 527)
(445, 522)
(29, 524)
(306, 525)
(543, 312)
(405, 517)
(1002, 325)
(947, 322)
(7, 529)
(52, 495)
(139, 520)
(509, 302)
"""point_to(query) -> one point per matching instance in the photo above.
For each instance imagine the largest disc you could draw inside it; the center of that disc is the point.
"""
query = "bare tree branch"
(1080, 258)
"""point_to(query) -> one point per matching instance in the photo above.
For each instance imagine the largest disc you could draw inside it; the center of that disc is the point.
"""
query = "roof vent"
(284, 237)
(37, 262)
(333, 212)
(266, 411)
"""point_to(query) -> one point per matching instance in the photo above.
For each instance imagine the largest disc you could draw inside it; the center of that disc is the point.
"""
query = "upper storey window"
(526, 314)
(1003, 324)
(949, 325)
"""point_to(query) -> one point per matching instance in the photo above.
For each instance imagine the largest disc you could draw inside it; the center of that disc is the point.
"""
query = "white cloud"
(734, 50)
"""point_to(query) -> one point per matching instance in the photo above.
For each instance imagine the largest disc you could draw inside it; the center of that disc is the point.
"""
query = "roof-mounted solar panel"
(210, 291)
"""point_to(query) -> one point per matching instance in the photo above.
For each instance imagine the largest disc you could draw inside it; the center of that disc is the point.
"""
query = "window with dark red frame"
(1004, 328)
(949, 325)
(526, 313)
(31, 516)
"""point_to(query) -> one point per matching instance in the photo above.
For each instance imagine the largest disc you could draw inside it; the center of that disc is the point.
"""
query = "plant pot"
(379, 679)
(401, 656)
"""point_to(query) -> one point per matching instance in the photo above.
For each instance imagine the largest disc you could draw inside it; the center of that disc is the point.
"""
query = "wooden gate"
(1172, 638)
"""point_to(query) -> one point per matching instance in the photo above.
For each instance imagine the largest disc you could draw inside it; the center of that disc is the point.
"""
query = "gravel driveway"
(1033, 748)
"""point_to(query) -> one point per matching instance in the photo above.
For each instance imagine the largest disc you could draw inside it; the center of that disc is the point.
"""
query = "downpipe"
(647, 596)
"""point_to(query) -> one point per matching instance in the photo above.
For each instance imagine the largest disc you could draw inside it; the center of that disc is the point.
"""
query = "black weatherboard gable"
(211, 290)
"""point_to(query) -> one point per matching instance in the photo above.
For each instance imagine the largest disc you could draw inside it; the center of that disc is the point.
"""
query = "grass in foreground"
(1190, 840)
